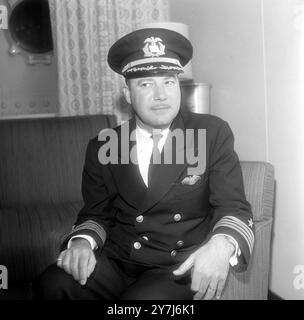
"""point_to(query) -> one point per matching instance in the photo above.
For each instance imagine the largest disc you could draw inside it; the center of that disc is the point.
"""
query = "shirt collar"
(145, 133)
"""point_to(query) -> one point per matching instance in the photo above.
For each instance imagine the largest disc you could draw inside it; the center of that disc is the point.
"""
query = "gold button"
(137, 245)
(180, 243)
(177, 217)
(173, 253)
(145, 237)
(140, 219)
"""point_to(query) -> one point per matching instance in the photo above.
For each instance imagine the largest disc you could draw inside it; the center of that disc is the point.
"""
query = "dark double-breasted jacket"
(163, 224)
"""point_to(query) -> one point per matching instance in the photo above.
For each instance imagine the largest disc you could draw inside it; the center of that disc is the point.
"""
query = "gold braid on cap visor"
(151, 60)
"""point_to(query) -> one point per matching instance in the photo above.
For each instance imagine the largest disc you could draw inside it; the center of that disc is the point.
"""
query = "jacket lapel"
(127, 176)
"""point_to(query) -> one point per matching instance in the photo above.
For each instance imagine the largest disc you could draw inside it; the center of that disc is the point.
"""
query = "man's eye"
(170, 82)
(145, 84)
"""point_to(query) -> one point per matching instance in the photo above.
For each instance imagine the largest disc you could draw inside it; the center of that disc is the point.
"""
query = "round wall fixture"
(30, 32)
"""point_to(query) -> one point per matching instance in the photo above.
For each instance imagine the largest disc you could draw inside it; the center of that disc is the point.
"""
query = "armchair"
(259, 188)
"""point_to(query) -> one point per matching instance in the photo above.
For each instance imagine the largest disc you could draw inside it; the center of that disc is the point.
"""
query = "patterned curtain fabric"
(83, 31)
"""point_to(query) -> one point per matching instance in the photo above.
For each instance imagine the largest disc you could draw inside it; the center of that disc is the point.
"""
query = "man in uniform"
(153, 228)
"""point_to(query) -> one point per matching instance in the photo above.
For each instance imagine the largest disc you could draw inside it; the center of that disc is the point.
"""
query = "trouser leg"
(159, 284)
(106, 282)
(114, 280)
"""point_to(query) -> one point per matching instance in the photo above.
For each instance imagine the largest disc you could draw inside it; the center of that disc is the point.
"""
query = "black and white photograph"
(151, 150)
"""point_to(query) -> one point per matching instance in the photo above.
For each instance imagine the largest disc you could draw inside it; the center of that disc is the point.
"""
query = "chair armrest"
(253, 283)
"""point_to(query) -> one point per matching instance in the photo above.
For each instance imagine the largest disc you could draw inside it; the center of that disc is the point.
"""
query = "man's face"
(155, 100)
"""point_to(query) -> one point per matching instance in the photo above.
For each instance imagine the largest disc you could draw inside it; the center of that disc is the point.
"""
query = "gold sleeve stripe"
(243, 229)
(240, 223)
(239, 226)
(239, 230)
(94, 226)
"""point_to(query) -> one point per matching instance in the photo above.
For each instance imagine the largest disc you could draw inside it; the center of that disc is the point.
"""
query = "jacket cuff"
(89, 228)
(240, 231)
(90, 239)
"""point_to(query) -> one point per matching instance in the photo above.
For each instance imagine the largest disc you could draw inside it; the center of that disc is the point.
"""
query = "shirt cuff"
(86, 237)
(237, 252)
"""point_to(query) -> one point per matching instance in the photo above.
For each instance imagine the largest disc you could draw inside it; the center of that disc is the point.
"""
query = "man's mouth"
(161, 107)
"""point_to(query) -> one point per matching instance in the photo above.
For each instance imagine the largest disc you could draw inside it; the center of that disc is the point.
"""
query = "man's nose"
(159, 92)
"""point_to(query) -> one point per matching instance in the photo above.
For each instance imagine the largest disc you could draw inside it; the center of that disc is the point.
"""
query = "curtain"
(83, 31)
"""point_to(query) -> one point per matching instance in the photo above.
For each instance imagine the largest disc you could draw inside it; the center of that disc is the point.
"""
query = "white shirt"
(144, 144)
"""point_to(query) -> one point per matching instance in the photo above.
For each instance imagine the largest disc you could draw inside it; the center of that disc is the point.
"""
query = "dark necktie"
(155, 157)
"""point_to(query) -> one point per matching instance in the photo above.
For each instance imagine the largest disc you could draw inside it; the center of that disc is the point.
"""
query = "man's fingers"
(201, 288)
(60, 258)
(199, 282)
(198, 296)
(220, 288)
(83, 269)
(211, 291)
(91, 265)
(78, 261)
(206, 292)
(65, 263)
(74, 265)
(185, 266)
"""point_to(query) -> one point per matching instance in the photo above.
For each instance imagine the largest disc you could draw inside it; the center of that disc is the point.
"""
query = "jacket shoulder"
(204, 121)
(100, 138)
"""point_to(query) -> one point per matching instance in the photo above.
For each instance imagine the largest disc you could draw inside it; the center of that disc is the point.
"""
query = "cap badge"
(154, 47)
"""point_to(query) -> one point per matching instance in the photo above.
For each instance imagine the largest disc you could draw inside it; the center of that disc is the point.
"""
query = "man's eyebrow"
(170, 77)
(145, 79)
(152, 78)
(142, 80)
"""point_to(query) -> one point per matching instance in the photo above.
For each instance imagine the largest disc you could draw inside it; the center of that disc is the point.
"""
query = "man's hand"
(210, 265)
(79, 260)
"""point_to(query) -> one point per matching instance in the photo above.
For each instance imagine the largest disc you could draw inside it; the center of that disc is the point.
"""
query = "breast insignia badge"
(191, 180)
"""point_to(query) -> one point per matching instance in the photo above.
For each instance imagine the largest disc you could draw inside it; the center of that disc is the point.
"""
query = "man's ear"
(127, 93)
